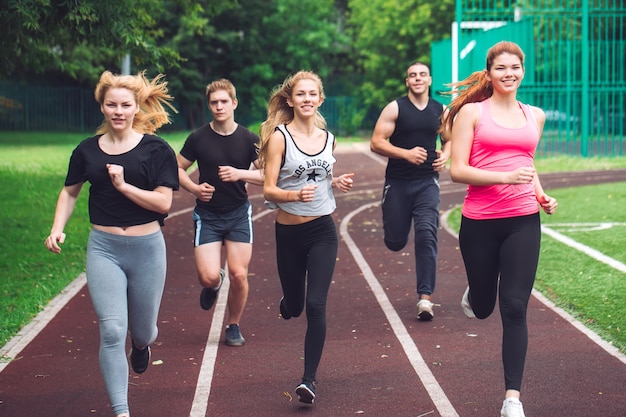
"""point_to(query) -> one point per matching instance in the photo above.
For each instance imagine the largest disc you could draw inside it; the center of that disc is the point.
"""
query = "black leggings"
(306, 255)
(509, 249)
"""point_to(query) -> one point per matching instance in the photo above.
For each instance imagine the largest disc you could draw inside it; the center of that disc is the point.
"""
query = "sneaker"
(283, 309)
(425, 310)
(512, 407)
(465, 304)
(139, 358)
(233, 335)
(209, 295)
(306, 391)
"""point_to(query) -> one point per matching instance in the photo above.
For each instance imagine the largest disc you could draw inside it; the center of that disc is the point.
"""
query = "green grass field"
(32, 172)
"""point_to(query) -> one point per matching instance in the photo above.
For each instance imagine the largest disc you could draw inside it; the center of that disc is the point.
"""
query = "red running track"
(379, 360)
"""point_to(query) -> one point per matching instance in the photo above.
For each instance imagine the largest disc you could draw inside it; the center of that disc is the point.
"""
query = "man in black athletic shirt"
(406, 133)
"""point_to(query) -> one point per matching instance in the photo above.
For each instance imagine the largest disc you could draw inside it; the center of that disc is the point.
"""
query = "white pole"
(126, 65)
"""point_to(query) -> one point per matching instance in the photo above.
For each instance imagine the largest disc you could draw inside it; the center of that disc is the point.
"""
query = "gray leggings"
(125, 276)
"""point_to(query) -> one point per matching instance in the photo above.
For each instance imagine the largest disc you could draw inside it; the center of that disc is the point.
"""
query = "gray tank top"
(300, 169)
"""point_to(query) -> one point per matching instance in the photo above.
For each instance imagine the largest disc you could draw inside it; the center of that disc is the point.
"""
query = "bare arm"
(232, 174)
(343, 182)
(548, 204)
(203, 192)
(379, 143)
(271, 191)
(443, 154)
(64, 209)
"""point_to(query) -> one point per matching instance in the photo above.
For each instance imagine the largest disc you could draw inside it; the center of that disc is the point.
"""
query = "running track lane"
(378, 361)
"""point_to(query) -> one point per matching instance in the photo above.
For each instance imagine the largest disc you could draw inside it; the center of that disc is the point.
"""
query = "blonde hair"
(279, 112)
(222, 84)
(149, 95)
(476, 87)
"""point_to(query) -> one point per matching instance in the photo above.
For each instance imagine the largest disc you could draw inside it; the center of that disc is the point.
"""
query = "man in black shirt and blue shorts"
(225, 152)
(406, 133)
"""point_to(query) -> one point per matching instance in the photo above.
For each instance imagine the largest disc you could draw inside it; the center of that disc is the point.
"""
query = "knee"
(482, 311)
(482, 315)
(209, 280)
(315, 309)
(514, 309)
(395, 245)
(238, 279)
(294, 310)
(426, 233)
(112, 332)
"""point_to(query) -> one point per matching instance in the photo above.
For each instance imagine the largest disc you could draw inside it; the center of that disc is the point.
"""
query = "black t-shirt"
(150, 164)
(415, 127)
(211, 150)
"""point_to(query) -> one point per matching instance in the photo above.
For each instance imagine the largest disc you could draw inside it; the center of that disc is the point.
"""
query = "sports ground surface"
(379, 361)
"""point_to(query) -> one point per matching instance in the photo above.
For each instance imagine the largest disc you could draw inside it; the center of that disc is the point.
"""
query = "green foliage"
(359, 47)
(80, 38)
(255, 44)
(388, 35)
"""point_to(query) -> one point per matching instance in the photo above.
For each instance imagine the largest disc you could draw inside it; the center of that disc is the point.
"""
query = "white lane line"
(595, 254)
(608, 348)
(599, 256)
(207, 370)
(441, 401)
(17, 343)
(585, 227)
(26, 335)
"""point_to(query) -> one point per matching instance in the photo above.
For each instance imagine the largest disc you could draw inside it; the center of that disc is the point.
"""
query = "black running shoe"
(306, 391)
(283, 309)
(209, 295)
(139, 358)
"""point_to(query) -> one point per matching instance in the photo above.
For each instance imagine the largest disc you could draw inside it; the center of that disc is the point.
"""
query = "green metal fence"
(575, 65)
(29, 107)
(71, 109)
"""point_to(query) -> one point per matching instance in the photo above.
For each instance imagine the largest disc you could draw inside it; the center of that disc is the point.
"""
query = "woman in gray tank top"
(297, 157)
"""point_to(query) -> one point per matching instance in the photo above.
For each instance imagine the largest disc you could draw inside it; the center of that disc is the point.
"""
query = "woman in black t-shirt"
(133, 175)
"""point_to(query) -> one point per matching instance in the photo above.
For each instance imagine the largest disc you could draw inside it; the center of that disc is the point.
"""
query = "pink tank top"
(498, 148)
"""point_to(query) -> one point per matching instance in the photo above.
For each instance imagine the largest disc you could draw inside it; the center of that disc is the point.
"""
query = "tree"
(255, 44)
(79, 38)
(390, 34)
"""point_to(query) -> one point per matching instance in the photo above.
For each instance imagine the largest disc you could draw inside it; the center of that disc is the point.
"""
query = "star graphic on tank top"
(312, 176)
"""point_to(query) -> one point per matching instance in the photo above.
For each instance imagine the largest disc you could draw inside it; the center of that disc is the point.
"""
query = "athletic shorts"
(235, 225)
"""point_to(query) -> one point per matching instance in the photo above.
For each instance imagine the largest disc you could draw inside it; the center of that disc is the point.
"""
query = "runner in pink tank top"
(494, 138)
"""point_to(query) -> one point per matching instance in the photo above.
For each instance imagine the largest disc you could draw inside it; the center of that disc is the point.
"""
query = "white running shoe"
(425, 310)
(465, 304)
(512, 407)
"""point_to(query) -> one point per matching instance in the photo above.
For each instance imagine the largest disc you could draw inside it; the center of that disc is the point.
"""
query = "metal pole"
(456, 34)
(125, 66)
